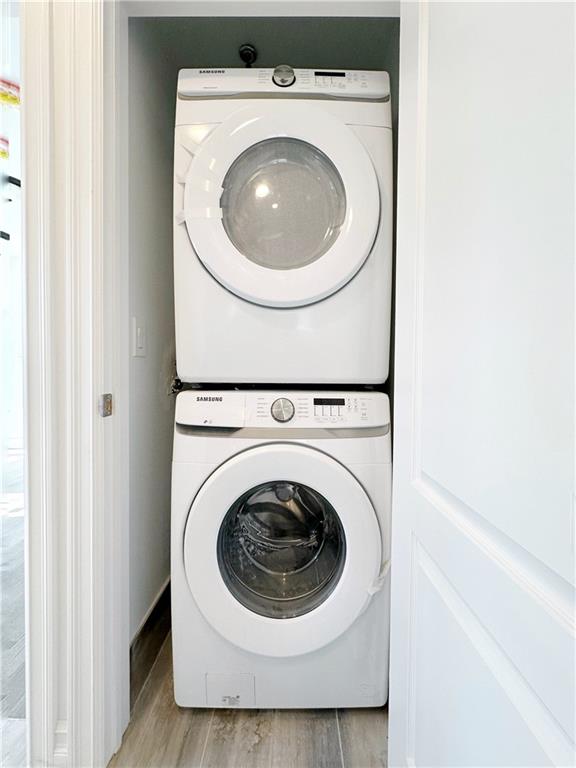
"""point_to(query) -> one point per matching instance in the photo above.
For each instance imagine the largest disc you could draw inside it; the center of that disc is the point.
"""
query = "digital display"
(329, 401)
(330, 74)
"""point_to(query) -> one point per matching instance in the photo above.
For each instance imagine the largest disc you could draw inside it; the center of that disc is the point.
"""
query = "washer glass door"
(281, 549)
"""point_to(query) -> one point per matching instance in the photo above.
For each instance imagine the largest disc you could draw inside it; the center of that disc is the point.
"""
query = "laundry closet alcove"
(483, 561)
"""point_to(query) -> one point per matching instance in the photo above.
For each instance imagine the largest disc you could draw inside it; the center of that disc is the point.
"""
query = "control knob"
(282, 409)
(284, 76)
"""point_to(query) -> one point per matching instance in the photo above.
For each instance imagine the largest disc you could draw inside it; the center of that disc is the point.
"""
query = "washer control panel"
(282, 81)
(291, 409)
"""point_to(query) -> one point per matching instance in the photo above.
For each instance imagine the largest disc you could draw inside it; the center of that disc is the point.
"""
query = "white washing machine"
(280, 549)
(283, 226)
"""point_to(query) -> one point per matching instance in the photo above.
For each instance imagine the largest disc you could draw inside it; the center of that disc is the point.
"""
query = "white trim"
(246, 8)
(114, 551)
(413, 60)
(41, 557)
(114, 377)
(61, 742)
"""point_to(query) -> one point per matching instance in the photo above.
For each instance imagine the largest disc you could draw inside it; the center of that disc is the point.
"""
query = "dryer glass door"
(281, 203)
(281, 549)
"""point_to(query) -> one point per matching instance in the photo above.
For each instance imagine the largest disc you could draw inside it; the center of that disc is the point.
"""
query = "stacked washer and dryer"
(281, 484)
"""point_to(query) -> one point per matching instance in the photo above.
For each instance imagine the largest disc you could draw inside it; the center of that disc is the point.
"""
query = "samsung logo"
(212, 71)
(209, 399)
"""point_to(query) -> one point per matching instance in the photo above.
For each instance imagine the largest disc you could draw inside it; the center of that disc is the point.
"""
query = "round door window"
(283, 203)
(281, 549)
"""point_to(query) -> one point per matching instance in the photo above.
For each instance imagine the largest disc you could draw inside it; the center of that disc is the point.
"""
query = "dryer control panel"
(294, 409)
(371, 85)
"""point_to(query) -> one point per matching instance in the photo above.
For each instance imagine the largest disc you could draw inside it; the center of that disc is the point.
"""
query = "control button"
(284, 76)
(282, 409)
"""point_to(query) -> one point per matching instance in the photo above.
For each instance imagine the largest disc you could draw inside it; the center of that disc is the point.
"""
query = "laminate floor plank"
(364, 736)
(306, 738)
(240, 739)
(12, 616)
(161, 735)
(13, 742)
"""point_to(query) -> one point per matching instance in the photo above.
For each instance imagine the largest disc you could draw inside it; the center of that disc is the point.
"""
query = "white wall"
(151, 119)
(158, 49)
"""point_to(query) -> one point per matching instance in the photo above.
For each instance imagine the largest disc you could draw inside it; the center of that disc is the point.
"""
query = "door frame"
(76, 665)
(74, 74)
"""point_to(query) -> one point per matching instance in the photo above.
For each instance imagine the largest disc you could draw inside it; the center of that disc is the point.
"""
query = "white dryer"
(283, 226)
(280, 549)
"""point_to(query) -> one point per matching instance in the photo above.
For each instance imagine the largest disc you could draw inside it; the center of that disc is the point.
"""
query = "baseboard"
(152, 606)
(147, 643)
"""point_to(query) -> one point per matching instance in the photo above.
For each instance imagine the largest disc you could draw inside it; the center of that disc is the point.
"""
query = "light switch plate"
(139, 338)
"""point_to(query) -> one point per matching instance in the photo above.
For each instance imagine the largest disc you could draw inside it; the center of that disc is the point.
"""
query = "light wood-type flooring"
(12, 633)
(161, 735)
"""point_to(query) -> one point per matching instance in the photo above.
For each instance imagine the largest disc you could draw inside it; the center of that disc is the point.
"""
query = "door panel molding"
(548, 588)
(524, 698)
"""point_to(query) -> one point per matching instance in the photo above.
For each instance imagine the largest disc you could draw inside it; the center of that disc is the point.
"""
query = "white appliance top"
(293, 409)
(284, 81)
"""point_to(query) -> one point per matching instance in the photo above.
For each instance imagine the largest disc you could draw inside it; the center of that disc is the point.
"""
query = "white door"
(282, 549)
(281, 203)
(482, 651)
